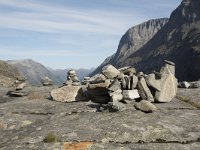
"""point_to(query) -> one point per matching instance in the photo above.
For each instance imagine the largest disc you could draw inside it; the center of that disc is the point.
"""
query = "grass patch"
(187, 100)
(51, 137)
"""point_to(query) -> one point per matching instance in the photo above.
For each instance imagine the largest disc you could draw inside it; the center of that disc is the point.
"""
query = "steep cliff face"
(178, 41)
(132, 40)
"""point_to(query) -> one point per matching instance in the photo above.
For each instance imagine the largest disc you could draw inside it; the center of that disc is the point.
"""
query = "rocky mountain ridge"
(178, 41)
(132, 40)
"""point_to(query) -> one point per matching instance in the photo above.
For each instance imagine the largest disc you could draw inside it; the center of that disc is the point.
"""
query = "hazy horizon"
(71, 33)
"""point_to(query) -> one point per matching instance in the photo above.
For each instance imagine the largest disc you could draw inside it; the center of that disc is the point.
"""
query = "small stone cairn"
(47, 81)
(72, 79)
(20, 84)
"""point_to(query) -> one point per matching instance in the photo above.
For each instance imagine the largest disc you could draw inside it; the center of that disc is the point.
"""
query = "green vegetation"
(51, 137)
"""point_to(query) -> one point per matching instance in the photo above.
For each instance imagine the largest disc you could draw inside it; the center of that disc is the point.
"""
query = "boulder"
(68, 94)
(98, 78)
(21, 86)
(133, 82)
(168, 84)
(130, 94)
(144, 91)
(145, 106)
(110, 71)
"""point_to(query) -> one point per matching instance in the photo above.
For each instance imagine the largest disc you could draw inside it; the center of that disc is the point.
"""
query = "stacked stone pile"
(20, 84)
(72, 79)
(47, 81)
(117, 87)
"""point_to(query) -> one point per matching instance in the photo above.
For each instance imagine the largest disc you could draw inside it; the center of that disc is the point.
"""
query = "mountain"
(178, 41)
(8, 74)
(132, 40)
(33, 71)
(62, 73)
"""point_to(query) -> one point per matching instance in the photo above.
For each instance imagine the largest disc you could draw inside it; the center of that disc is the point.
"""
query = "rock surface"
(25, 123)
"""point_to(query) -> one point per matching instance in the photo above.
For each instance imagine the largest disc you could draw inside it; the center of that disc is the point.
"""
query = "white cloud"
(45, 53)
(42, 17)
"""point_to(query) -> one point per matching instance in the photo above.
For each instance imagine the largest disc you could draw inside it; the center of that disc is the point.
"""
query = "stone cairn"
(115, 89)
(72, 79)
(20, 84)
(119, 87)
(47, 81)
(71, 91)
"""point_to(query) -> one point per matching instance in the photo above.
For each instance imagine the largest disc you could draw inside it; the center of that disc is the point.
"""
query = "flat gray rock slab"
(24, 124)
(190, 95)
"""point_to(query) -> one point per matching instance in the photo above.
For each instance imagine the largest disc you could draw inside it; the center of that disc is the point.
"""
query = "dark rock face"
(178, 41)
(132, 40)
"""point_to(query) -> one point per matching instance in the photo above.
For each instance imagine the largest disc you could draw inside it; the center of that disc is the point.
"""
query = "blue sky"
(71, 33)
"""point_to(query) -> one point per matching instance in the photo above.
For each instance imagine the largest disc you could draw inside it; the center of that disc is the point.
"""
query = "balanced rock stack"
(71, 91)
(19, 84)
(47, 81)
(72, 79)
(119, 87)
